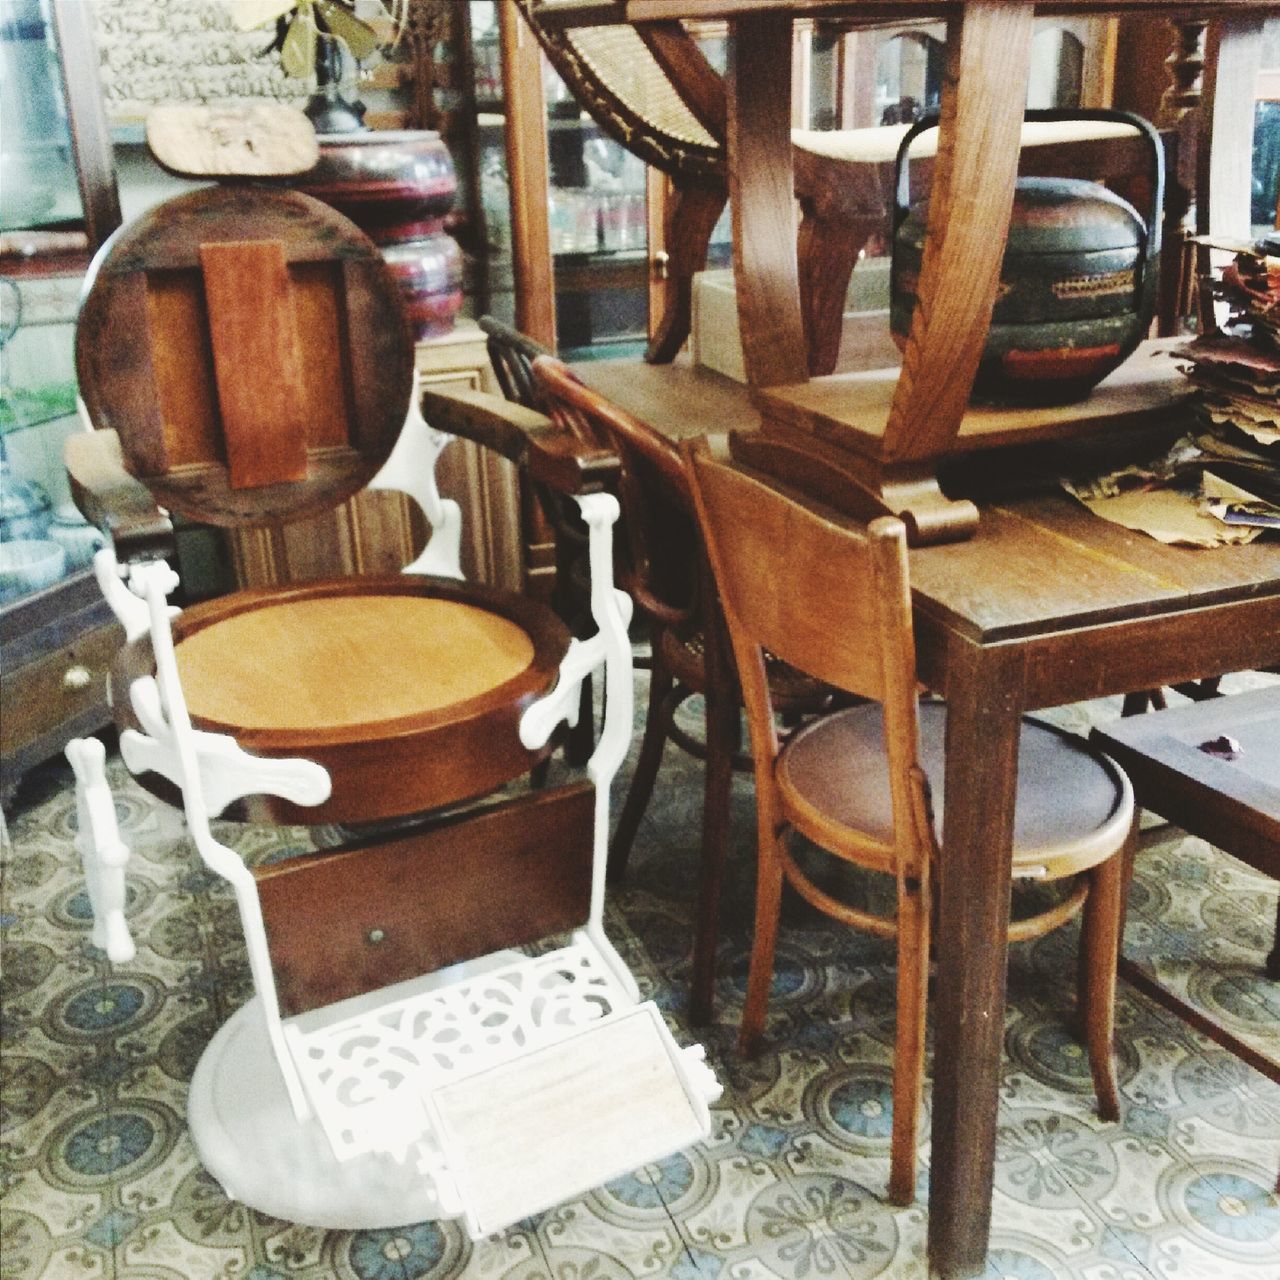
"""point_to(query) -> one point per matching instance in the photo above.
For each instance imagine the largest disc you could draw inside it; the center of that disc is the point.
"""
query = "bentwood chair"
(831, 597)
(663, 569)
(244, 357)
(512, 353)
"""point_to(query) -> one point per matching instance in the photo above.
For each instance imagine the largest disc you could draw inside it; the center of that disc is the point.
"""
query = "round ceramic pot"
(398, 186)
(1076, 292)
(24, 507)
(28, 565)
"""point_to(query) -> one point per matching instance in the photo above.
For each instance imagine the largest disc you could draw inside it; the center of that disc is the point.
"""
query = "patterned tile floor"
(100, 1179)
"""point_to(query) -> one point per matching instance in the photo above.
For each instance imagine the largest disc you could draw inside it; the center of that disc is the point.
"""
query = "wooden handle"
(527, 438)
(113, 500)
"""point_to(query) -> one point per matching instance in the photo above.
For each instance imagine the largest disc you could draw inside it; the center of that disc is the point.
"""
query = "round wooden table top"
(346, 661)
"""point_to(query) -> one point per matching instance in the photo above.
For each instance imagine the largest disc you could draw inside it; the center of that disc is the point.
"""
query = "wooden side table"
(1233, 803)
(379, 532)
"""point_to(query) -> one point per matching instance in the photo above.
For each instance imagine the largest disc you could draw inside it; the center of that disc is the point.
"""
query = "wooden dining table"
(1023, 599)
(1045, 604)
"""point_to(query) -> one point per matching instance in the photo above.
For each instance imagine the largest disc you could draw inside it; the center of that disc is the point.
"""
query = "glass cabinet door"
(595, 209)
(43, 538)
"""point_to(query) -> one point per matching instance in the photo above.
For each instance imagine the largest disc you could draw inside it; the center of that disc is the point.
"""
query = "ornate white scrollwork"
(101, 850)
(411, 469)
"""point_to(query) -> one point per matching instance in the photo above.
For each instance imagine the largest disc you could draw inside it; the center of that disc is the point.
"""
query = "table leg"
(762, 199)
(983, 699)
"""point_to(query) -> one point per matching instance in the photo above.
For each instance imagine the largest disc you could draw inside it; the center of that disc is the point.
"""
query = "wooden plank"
(323, 351)
(378, 354)
(1192, 642)
(123, 373)
(761, 199)
(985, 88)
(182, 361)
(680, 400)
(528, 170)
(852, 409)
(552, 1124)
(340, 924)
(253, 331)
(1048, 557)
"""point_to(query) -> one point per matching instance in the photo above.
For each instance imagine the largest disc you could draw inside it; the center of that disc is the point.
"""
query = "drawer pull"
(76, 678)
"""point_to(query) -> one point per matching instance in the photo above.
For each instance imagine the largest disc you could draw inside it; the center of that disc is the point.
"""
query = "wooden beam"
(761, 197)
(528, 172)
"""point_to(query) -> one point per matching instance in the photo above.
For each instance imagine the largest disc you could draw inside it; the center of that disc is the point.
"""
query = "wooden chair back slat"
(254, 335)
(659, 523)
(826, 595)
(794, 582)
(512, 355)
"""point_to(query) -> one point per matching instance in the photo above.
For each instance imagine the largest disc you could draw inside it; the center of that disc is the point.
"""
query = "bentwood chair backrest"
(623, 78)
(658, 521)
(825, 594)
(512, 354)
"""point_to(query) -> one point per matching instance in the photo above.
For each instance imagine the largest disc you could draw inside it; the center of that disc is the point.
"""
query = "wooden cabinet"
(58, 202)
(574, 219)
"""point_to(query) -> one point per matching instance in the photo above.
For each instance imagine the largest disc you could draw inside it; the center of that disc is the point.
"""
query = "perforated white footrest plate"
(511, 1091)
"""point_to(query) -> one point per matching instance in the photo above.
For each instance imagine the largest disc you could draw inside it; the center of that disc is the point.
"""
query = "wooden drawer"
(40, 696)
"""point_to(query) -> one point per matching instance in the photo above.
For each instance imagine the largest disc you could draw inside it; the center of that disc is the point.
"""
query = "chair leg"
(723, 729)
(655, 737)
(693, 210)
(1100, 943)
(764, 939)
(1272, 969)
(581, 739)
(908, 1051)
(103, 853)
(827, 250)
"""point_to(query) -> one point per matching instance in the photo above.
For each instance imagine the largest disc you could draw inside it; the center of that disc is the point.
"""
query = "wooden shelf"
(852, 409)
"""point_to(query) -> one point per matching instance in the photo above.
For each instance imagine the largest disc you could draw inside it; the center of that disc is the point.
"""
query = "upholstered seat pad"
(347, 660)
(1070, 797)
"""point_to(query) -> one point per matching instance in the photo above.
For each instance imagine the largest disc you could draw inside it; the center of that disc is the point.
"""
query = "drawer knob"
(76, 678)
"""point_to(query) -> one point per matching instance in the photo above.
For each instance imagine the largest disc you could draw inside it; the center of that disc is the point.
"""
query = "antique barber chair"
(243, 356)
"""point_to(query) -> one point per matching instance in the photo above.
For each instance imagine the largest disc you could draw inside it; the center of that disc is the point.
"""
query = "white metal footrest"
(512, 1090)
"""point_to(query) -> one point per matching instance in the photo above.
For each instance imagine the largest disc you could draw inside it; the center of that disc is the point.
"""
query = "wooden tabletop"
(1036, 562)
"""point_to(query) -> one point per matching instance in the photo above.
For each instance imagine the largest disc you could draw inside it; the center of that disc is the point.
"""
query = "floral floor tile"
(100, 1178)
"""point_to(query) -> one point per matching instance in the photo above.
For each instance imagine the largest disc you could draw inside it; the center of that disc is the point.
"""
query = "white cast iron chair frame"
(330, 1118)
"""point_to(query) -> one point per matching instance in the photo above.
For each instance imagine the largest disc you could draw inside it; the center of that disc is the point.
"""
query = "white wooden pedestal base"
(247, 1137)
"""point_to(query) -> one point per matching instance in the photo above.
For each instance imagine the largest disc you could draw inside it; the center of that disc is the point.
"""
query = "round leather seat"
(1073, 807)
(407, 690)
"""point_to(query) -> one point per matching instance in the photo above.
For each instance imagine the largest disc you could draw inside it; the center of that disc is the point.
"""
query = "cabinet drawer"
(42, 694)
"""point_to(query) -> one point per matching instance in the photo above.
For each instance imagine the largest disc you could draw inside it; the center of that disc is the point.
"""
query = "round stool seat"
(1074, 804)
(408, 690)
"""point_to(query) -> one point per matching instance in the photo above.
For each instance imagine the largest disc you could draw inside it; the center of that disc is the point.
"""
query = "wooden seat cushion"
(879, 144)
(408, 690)
(347, 660)
(1074, 804)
